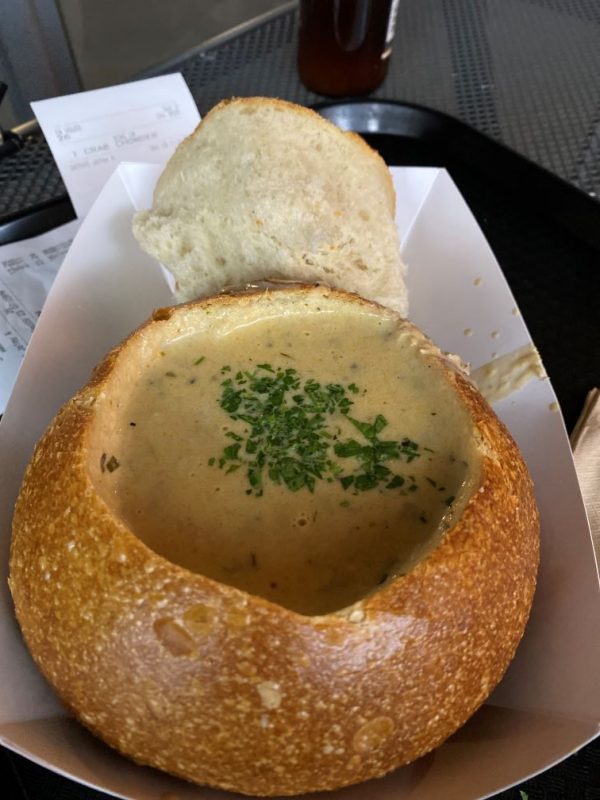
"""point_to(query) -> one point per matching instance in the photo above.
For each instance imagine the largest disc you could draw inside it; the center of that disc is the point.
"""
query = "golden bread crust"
(223, 688)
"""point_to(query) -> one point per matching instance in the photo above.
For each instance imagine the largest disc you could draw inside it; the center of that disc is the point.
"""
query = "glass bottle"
(344, 46)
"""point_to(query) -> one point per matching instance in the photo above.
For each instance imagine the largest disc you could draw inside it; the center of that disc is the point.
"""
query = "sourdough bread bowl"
(221, 566)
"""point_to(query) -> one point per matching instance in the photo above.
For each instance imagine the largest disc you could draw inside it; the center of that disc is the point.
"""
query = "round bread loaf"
(231, 640)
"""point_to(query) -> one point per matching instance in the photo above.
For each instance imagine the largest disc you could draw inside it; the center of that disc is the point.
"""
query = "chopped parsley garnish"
(396, 481)
(108, 464)
(199, 360)
(112, 464)
(290, 436)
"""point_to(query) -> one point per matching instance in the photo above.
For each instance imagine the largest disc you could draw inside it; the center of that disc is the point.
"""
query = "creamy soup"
(307, 459)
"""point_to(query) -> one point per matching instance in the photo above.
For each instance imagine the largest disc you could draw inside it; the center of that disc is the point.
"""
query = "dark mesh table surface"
(525, 72)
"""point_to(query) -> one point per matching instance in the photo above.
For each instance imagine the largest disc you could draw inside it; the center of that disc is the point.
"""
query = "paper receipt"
(90, 133)
(27, 270)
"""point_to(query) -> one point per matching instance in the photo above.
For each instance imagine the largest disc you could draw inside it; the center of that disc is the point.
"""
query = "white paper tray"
(547, 706)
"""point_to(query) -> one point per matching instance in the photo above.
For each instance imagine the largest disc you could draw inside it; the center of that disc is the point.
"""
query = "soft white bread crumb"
(268, 189)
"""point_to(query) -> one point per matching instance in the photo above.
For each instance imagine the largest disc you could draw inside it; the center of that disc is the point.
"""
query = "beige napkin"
(585, 441)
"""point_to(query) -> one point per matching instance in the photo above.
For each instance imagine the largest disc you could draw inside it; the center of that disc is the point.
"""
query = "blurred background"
(54, 47)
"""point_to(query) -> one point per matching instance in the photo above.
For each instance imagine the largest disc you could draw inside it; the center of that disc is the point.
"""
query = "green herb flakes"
(396, 481)
(108, 464)
(291, 437)
(112, 464)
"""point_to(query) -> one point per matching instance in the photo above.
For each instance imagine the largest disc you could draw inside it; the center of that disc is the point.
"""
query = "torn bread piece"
(268, 189)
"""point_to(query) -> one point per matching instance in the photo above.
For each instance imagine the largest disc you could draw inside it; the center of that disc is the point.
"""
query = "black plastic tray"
(546, 235)
(544, 232)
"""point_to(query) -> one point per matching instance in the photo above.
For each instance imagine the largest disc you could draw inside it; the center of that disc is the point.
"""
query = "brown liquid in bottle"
(344, 45)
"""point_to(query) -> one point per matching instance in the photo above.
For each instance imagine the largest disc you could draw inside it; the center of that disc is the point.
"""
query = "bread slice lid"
(268, 189)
